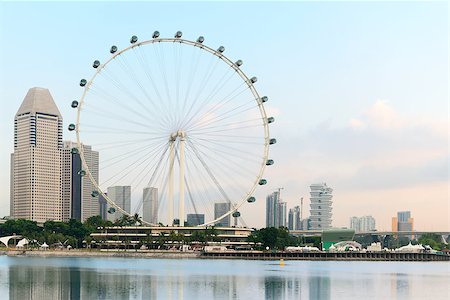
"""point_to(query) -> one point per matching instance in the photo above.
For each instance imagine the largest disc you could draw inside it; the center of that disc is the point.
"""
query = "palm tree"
(137, 219)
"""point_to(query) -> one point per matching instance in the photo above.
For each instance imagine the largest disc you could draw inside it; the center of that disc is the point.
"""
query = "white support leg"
(170, 190)
(181, 204)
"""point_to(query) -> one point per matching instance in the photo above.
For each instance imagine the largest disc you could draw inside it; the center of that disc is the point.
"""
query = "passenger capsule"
(71, 127)
(74, 104)
(82, 173)
(269, 162)
(94, 193)
(178, 34)
(113, 49)
(272, 141)
(270, 120)
(111, 210)
(83, 82)
(262, 182)
(133, 39)
(253, 79)
(236, 214)
(74, 150)
(251, 200)
(239, 63)
(221, 49)
(96, 64)
(264, 99)
(200, 39)
(155, 35)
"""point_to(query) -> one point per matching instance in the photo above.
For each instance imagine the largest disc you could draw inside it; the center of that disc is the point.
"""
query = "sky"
(359, 90)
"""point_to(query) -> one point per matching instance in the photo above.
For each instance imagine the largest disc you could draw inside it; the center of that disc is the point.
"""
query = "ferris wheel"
(177, 117)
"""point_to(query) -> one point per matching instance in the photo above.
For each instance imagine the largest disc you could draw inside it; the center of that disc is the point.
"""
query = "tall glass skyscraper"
(275, 211)
(150, 205)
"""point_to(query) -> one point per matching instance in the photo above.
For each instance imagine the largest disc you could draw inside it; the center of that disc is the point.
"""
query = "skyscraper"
(76, 190)
(150, 205)
(403, 222)
(195, 219)
(275, 210)
(219, 210)
(36, 161)
(320, 213)
(121, 195)
(294, 222)
(362, 224)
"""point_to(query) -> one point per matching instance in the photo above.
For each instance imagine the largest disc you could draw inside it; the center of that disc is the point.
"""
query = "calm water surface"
(133, 278)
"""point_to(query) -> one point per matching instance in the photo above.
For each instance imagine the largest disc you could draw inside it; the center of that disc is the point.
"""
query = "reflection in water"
(122, 278)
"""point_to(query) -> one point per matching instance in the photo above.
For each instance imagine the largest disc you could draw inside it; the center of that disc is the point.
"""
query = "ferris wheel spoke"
(128, 154)
(192, 72)
(161, 107)
(129, 167)
(122, 143)
(108, 98)
(202, 84)
(229, 114)
(227, 160)
(249, 155)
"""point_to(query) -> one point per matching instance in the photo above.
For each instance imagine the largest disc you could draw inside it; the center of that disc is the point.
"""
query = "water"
(134, 278)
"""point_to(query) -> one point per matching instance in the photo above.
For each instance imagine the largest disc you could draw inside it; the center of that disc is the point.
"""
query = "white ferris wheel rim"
(220, 55)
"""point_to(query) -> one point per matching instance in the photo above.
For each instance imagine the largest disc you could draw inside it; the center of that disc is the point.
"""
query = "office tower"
(294, 222)
(195, 219)
(320, 212)
(36, 161)
(362, 224)
(78, 202)
(103, 207)
(120, 195)
(275, 211)
(150, 205)
(403, 222)
(219, 210)
(305, 224)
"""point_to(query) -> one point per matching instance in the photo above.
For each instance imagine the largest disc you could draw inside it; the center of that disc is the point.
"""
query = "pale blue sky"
(359, 90)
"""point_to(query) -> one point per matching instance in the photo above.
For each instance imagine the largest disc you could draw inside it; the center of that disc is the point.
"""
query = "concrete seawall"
(342, 256)
(354, 256)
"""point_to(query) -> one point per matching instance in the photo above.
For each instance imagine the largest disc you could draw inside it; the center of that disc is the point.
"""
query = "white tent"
(22, 243)
(44, 246)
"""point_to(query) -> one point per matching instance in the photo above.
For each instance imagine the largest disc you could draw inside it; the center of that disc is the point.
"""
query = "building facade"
(321, 206)
(294, 222)
(219, 210)
(403, 222)
(195, 219)
(150, 205)
(36, 192)
(121, 195)
(76, 190)
(363, 224)
(276, 210)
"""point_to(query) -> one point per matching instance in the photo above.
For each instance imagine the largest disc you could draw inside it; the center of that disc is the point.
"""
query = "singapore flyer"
(177, 124)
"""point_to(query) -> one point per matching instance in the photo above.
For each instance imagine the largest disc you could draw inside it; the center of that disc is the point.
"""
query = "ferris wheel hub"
(178, 134)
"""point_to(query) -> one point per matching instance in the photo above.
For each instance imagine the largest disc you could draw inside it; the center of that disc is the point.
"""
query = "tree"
(433, 240)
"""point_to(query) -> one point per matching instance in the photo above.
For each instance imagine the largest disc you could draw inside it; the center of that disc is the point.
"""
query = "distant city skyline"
(359, 90)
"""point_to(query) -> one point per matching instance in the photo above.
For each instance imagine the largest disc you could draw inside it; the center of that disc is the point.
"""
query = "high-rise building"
(195, 219)
(276, 211)
(219, 210)
(362, 224)
(403, 222)
(150, 205)
(294, 222)
(320, 212)
(76, 190)
(120, 195)
(36, 161)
